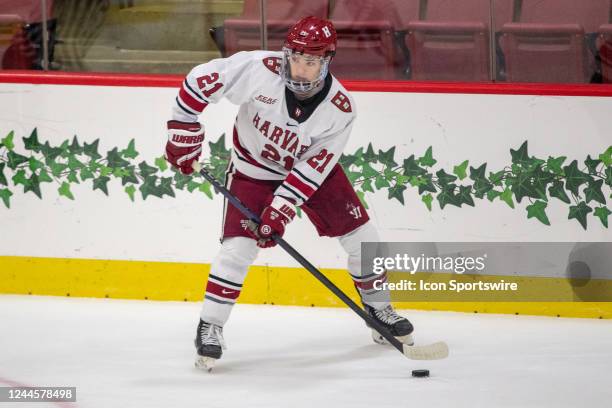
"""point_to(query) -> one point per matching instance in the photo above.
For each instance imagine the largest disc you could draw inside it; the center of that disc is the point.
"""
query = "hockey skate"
(209, 345)
(399, 326)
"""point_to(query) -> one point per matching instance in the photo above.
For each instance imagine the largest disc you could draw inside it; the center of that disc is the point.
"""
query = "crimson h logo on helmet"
(308, 50)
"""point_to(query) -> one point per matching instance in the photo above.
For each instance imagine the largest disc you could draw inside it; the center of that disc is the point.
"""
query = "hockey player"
(293, 123)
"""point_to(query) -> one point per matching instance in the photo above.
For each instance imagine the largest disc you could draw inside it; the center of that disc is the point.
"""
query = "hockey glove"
(184, 144)
(274, 219)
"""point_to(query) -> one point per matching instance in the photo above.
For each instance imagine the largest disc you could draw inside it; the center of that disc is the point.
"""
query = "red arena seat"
(605, 52)
(244, 33)
(502, 13)
(451, 42)
(366, 41)
(397, 12)
(549, 41)
(16, 51)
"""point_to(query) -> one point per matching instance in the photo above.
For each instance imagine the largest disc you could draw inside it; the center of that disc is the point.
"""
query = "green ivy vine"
(528, 177)
(583, 188)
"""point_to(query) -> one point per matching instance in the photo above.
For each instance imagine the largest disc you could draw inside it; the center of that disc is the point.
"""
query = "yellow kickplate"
(264, 285)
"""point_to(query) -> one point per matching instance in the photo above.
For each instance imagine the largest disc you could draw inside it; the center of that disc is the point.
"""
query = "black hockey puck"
(420, 373)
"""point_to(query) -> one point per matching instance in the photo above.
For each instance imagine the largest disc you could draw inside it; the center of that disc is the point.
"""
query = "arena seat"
(16, 51)
(397, 12)
(243, 33)
(590, 14)
(605, 52)
(20, 24)
(551, 40)
(451, 41)
(366, 40)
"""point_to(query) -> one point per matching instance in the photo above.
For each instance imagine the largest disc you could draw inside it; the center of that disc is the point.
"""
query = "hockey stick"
(433, 351)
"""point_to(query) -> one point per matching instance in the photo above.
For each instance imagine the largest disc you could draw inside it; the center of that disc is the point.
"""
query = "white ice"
(121, 353)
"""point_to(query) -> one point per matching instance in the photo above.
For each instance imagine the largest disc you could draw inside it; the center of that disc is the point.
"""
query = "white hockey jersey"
(276, 137)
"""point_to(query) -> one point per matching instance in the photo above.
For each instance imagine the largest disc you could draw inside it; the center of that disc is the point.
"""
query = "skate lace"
(212, 335)
(388, 315)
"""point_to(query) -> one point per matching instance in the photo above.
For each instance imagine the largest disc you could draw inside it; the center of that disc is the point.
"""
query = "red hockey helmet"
(312, 36)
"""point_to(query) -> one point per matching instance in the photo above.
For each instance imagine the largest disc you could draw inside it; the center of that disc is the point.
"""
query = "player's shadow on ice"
(304, 360)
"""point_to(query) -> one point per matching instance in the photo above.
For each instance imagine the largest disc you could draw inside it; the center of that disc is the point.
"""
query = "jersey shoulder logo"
(273, 64)
(341, 101)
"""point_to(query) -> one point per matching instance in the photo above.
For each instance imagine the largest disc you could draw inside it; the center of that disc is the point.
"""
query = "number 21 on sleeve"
(208, 84)
(320, 161)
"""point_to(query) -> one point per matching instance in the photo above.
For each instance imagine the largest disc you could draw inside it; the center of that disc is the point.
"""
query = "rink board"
(103, 244)
(263, 285)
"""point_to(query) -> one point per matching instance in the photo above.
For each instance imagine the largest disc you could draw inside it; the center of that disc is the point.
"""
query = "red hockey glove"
(184, 144)
(274, 219)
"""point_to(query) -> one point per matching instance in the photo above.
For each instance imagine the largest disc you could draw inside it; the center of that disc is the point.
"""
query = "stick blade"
(434, 351)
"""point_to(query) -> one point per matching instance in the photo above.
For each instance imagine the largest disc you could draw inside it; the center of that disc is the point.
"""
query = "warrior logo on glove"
(184, 144)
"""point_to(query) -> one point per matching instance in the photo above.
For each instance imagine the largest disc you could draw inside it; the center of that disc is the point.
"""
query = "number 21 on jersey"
(209, 84)
(320, 161)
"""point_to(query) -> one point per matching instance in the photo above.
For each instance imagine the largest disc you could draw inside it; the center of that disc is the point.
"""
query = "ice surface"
(121, 353)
